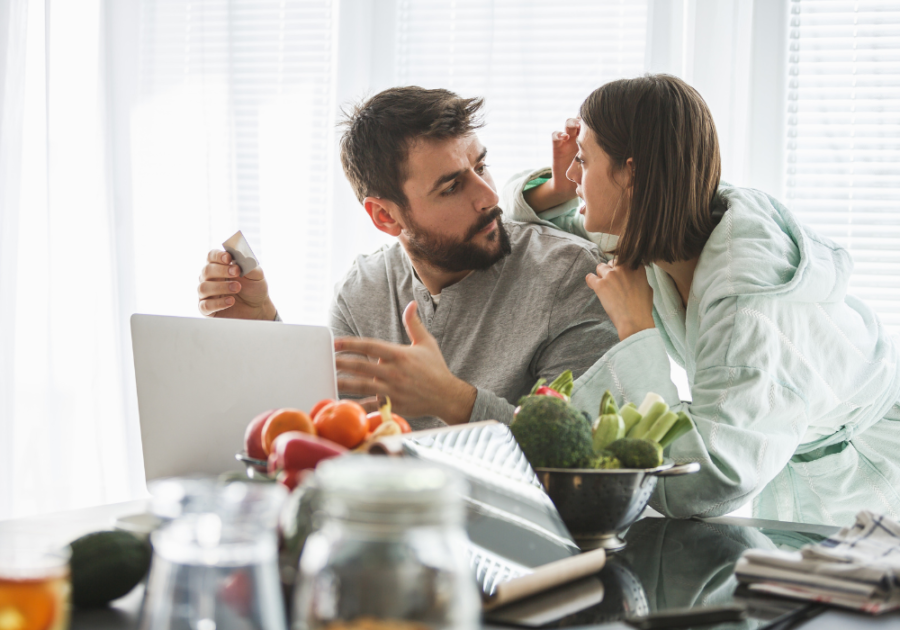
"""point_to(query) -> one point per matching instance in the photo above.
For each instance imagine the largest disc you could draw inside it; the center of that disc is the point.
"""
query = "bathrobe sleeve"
(564, 217)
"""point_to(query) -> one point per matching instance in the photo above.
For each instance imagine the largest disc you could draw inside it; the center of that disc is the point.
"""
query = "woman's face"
(605, 190)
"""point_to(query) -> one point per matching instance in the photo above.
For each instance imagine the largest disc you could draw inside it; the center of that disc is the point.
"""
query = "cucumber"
(105, 566)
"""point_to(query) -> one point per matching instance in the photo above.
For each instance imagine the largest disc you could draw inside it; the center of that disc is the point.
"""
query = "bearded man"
(458, 318)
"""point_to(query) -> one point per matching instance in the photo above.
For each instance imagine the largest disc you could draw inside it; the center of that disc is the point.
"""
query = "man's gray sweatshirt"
(529, 316)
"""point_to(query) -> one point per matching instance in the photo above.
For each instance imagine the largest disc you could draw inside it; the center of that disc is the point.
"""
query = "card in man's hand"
(241, 253)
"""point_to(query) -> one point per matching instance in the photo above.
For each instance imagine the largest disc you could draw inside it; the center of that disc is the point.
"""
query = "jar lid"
(390, 489)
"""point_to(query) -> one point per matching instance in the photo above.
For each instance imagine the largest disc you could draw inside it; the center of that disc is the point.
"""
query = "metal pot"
(598, 504)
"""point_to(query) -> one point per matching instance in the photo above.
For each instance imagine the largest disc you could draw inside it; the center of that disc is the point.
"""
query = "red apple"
(253, 445)
(296, 450)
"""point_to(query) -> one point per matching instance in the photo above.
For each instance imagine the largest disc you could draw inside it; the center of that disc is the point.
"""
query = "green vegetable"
(105, 566)
(610, 427)
(649, 399)
(552, 433)
(682, 425)
(608, 404)
(636, 453)
(630, 415)
(656, 411)
(661, 427)
(605, 461)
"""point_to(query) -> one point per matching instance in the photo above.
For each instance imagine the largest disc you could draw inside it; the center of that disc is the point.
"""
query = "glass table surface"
(668, 565)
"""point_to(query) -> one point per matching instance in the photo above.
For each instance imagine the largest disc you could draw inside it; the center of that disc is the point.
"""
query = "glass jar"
(389, 550)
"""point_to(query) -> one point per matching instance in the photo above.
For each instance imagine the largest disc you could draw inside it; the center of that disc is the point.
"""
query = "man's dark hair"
(379, 132)
(665, 126)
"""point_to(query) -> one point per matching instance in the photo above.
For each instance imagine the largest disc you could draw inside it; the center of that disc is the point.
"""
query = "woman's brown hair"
(665, 126)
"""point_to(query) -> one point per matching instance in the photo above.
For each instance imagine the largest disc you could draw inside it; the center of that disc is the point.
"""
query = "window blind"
(534, 62)
(234, 130)
(843, 137)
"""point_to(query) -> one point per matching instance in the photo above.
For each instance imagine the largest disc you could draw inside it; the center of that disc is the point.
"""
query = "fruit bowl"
(256, 468)
(598, 504)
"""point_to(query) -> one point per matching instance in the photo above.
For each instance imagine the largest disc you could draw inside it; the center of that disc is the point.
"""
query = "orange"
(375, 421)
(282, 421)
(318, 407)
(343, 422)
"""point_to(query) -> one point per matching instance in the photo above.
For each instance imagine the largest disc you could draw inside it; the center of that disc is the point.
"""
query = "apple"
(295, 450)
(253, 444)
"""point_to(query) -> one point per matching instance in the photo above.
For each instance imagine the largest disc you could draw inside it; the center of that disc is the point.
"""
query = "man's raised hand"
(223, 292)
(416, 377)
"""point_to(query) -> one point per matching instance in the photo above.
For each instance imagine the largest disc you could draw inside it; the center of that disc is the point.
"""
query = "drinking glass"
(34, 585)
(216, 568)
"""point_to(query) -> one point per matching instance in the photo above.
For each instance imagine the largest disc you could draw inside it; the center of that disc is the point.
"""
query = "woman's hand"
(626, 296)
(558, 189)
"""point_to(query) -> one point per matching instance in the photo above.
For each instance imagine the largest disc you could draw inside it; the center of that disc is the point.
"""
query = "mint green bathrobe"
(795, 385)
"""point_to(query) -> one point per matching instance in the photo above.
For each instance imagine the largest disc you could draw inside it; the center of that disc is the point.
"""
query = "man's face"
(452, 221)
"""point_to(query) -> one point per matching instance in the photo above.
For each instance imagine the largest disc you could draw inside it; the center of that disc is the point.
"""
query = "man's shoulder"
(544, 248)
(376, 267)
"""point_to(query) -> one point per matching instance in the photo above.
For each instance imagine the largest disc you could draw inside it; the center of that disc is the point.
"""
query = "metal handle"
(680, 469)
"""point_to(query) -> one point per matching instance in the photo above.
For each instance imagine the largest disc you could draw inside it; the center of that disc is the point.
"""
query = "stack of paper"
(858, 568)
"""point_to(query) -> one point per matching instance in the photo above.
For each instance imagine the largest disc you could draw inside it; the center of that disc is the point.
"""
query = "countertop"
(666, 564)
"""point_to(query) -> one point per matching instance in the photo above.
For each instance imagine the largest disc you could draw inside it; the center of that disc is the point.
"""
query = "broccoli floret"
(552, 433)
(605, 461)
(637, 453)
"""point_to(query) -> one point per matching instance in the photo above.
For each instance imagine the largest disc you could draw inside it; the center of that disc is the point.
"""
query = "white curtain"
(67, 435)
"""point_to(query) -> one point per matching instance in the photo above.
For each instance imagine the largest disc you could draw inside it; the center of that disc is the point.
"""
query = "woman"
(794, 384)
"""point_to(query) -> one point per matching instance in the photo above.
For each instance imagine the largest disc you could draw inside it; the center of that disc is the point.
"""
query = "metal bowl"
(256, 468)
(598, 504)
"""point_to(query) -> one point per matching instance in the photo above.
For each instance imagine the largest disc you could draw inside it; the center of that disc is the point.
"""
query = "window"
(233, 130)
(535, 63)
(843, 137)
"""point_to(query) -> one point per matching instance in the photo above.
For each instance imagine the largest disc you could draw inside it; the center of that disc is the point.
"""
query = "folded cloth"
(859, 567)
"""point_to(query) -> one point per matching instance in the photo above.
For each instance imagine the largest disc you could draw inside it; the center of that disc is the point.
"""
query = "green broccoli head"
(552, 433)
(636, 452)
(605, 461)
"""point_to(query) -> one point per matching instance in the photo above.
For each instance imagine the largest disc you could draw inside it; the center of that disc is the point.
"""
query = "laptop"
(200, 381)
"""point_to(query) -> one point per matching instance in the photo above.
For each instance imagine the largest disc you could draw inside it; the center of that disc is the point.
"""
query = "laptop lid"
(200, 381)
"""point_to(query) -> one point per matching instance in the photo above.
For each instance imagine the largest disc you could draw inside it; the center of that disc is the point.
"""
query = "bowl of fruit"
(283, 444)
(600, 473)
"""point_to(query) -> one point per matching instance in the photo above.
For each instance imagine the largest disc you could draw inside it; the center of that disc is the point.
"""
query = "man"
(463, 314)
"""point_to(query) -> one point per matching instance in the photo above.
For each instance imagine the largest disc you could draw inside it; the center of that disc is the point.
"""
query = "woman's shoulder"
(760, 248)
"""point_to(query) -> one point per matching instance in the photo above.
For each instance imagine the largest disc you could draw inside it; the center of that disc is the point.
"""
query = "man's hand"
(559, 188)
(626, 296)
(416, 377)
(223, 293)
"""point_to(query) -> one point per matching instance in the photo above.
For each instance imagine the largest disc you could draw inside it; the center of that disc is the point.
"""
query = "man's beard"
(459, 256)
